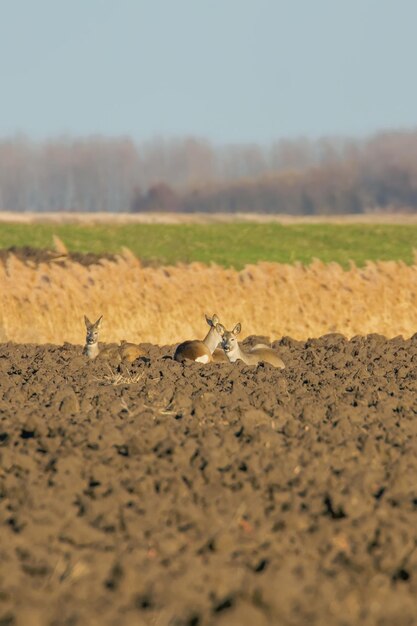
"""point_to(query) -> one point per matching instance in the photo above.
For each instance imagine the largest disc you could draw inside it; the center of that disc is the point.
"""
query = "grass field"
(259, 285)
(230, 245)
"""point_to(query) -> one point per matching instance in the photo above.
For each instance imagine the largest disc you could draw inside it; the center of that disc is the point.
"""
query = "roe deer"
(202, 351)
(252, 356)
(125, 352)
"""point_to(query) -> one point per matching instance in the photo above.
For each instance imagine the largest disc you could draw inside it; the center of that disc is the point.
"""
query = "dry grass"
(164, 305)
(116, 378)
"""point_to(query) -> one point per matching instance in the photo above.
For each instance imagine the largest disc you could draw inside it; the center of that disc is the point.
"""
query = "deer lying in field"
(125, 352)
(251, 356)
(204, 351)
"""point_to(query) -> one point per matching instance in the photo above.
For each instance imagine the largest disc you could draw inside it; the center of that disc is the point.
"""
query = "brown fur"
(196, 349)
(219, 356)
(252, 356)
(192, 350)
(126, 352)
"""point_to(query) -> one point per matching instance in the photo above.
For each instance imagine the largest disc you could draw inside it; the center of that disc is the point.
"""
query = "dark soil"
(35, 256)
(216, 494)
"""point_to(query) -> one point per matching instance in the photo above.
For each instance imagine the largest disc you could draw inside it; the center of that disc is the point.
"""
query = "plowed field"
(209, 495)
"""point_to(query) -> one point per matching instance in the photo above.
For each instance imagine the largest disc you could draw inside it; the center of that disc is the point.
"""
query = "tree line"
(302, 176)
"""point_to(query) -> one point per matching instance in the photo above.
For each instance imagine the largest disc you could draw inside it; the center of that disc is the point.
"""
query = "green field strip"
(232, 245)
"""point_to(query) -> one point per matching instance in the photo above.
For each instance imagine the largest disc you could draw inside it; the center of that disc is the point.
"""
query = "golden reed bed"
(46, 303)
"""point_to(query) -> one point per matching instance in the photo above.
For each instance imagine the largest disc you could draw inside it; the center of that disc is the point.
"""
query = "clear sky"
(228, 70)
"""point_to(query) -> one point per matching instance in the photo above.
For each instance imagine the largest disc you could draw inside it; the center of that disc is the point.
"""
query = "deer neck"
(237, 353)
(212, 339)
(91, 350)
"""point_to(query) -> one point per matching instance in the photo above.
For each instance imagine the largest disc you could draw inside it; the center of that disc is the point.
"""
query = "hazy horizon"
(159, 139)
(235, 72)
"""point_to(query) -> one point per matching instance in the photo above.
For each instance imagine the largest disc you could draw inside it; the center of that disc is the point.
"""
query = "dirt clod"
(217, 494)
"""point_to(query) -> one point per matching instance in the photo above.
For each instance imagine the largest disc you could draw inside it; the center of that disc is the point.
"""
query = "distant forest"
(326, 176)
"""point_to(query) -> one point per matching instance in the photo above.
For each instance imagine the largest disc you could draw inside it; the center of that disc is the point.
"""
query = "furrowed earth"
(190, 495)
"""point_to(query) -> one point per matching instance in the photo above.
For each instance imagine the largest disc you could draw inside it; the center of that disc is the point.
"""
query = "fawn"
(204, 351)
(125, 352)
(252, 356)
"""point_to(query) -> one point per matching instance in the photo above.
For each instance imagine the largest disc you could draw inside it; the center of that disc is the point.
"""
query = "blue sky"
(231, 71)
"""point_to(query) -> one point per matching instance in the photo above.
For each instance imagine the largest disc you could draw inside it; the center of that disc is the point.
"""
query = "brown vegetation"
(45, 302)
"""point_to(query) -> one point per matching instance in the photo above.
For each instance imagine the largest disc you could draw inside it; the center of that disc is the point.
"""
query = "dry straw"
(46, 302)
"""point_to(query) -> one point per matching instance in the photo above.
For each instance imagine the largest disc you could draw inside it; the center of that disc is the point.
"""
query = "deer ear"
(209, 321)
(220, 329)
(98, 322)
(215, 320)
(237, 329)
(87, 322)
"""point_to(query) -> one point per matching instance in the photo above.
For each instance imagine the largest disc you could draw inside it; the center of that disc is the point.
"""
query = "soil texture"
(195, 495)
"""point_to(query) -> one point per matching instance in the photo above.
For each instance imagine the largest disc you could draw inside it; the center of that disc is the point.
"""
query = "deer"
(125, 352)
(202, 351)
(252, 356)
